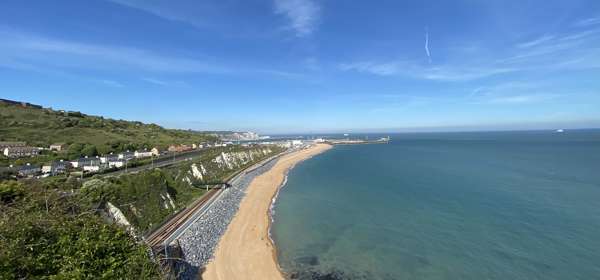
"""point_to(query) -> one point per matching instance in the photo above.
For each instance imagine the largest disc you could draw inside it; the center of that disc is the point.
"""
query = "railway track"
(171, 230)
(158, 237)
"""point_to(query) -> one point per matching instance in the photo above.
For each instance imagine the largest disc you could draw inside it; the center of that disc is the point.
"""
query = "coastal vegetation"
(84, 134)
(59, 227)
(65, 226)
(148, 197)
(46, 232)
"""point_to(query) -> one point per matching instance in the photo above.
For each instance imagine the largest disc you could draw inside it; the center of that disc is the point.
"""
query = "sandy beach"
(245, 251)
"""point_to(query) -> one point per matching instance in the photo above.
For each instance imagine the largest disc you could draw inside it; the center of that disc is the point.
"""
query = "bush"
(47, 234)
(11, 190)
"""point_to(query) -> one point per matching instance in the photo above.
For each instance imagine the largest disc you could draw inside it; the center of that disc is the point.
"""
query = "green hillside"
(42, 127)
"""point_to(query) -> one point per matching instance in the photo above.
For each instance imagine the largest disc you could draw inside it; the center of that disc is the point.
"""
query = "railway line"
(171, 230)
(157, 238)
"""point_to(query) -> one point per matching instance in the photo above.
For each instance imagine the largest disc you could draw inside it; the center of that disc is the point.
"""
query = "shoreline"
(272, 219)
(247, 248)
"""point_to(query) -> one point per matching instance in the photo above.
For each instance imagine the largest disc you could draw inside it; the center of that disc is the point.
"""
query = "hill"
(43, 126)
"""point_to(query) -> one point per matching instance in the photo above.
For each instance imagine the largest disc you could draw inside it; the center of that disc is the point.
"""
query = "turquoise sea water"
(497, 205)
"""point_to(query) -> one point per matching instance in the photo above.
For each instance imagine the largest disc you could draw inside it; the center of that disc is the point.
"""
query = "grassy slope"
(42, 127)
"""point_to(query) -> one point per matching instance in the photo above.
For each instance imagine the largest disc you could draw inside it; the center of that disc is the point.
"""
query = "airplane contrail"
(427, 44)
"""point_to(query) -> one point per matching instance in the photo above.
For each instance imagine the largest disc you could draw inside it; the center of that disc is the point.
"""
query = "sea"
(472, 205)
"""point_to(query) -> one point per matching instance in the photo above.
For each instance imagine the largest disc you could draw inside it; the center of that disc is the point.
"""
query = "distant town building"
(16, 152)
(57, 147)
(155, 151)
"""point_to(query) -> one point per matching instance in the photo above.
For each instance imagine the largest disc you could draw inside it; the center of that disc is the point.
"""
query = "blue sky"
(279, 66)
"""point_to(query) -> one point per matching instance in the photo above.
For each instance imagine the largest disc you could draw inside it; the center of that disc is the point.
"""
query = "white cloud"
(554, 52)
(415, 70)
(381, 69)
(514, 92)
(587, 22)
(56, 52)
(155, 81)
(522, 99)
(302, 14)
(37, 53)
(535, 42)
(112, 83)
(190, 12)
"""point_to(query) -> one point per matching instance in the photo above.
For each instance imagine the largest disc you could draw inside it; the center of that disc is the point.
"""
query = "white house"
(57, 147)
(116, 163)
(108, 158)
(91, 168)
(142, 154)
(82, 162)
(56, 167)
(15, 152)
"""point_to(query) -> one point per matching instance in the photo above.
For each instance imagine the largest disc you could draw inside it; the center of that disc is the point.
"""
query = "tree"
(89, 150)
(74, 150)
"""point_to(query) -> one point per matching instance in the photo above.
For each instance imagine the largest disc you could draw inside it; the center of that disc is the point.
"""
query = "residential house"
(108, 158)
(116, 163)
(127, 155)
(179, 148)
(91, 168)
(10, 144)
(28, 170)
(83, 162)
(142, 154)
(16, 152)
(56, 167)
(57, 147)
(155, 151)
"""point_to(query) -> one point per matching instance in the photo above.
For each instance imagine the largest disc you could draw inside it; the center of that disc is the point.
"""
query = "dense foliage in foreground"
(47, 232)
